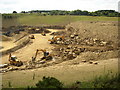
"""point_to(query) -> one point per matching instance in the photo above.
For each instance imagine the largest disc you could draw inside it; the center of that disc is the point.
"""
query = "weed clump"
(49, 82)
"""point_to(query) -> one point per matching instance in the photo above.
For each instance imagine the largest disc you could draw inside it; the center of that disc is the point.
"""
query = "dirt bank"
(100, 29)
(95, 35)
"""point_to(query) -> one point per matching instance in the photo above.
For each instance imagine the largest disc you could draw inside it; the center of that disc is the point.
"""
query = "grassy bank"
(36, 19)
(60, 20)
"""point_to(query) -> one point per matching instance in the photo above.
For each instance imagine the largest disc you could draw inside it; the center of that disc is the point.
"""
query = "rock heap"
(73, 45)
(75, 39)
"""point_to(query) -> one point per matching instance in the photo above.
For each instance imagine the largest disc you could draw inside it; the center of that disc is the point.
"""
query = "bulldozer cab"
(14, 61)
(13, 58)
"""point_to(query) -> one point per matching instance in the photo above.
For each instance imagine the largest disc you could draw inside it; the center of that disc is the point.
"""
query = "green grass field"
(60, 20)
(36, 19)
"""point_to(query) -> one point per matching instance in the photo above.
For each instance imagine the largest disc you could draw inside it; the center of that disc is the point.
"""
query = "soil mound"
(5, 38)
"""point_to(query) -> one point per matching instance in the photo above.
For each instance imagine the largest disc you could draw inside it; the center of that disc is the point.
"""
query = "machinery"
(54, 39)
(14, 61)
(43, 33)
(32, 37)
(46, 56)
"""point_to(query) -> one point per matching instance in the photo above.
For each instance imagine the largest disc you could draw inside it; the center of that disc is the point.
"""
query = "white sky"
(8, 6)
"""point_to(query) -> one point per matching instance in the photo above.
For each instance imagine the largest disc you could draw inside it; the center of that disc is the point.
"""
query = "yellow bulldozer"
(14, 61)
(32, 37)
(43, 34)
(54, 39)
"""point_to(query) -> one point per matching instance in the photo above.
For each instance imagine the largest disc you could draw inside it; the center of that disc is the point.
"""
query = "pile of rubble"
(10, 31)
(75, 39)
(68, 53)
(73, 45)
(36, 30)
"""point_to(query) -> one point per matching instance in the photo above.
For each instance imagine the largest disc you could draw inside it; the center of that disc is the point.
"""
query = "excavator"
(54, 39)
(14, 61)
(46, 56)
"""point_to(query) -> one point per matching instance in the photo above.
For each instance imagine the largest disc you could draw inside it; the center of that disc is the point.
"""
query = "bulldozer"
(14, 61)
(32, 37)
(54, 39)
(46, 56)
(43, 33)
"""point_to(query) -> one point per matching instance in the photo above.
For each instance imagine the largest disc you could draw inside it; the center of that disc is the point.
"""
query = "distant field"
(35, 19)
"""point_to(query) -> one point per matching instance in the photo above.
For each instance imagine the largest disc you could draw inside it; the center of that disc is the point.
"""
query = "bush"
(107, 81)
(49, 82)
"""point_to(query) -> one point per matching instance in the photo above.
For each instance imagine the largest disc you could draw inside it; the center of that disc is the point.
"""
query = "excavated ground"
(86, 43)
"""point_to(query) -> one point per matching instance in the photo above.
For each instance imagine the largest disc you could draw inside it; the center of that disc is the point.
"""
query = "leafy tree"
(109, 13)
(23, 12)
(77, 12)
(85, 13)
(14, 12)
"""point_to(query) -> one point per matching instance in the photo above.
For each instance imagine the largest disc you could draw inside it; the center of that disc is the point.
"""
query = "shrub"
(107, 81)
(49, 82)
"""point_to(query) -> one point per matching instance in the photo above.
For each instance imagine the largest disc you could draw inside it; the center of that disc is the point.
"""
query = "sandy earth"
(25, 53)
(63, 71)
(7, 45)
(102, 29)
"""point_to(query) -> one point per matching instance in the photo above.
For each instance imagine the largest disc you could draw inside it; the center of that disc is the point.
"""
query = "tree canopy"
(109, 13)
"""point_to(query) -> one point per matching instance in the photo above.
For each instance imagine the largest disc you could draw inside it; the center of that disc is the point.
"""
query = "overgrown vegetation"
(49, 82)
(106, 81)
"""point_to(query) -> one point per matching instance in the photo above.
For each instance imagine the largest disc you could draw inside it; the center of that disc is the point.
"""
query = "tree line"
(109, 13)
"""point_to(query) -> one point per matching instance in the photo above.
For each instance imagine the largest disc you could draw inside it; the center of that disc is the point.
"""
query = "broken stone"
(82, 49)
(58, 42)
(37, 29)
(75, 34)
(72, 36)
(103, 43)
(74, 55)
(70, 56)
(90, 62)
(77, 52)
(70, 52)
(96, 63)
(75, 63)
(77, 37)
(84, 61)
(61, 49)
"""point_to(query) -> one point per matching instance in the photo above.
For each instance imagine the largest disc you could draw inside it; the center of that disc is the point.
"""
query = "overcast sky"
(7, 6)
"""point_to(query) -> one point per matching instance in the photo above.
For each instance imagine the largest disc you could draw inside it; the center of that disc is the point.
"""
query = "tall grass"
(106, 81)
